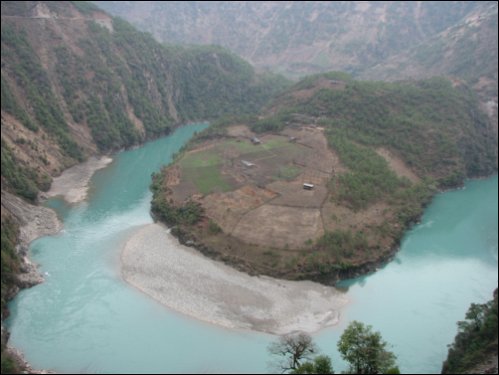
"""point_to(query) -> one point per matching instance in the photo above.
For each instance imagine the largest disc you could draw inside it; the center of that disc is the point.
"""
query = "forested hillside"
(76, 82)
(377, 40)
(436, 126)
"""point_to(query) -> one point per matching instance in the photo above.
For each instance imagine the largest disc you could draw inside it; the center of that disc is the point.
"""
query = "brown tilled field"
(226, 209)
(280, 226)
(255, 191)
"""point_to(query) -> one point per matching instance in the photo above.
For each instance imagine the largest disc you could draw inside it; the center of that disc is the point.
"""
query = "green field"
(203, 168)
(200, 159)
(207, 179)
(288, 172)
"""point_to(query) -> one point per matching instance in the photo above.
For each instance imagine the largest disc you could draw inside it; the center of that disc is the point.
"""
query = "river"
(84, 318)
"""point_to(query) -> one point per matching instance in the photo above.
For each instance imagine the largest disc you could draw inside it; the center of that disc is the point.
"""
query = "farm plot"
(200, 172)
(293, 194)
(226, 209)
(279, 226)
(254, 192)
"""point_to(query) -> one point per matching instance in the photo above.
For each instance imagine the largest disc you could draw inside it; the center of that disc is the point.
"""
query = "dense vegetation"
(10, 259)
(32, 79)
(10, 267)
(476, 340)
(369, 178)
(188, 214)
(366, 351)
(20, 180)
(436, 128)
(320, 365)
(9, 364)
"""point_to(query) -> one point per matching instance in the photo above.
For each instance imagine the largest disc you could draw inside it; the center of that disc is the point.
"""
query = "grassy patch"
(275, 143)
(203, 169)
(244, 147)
(206, 158)
(288, 172)
(207, 179)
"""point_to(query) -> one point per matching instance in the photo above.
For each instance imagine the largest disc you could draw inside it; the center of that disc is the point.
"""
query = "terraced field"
(254, 192)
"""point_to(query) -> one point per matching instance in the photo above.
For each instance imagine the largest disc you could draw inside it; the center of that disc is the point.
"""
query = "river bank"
(182, 279)
(38, 221)
(34, 222)
(72, 184)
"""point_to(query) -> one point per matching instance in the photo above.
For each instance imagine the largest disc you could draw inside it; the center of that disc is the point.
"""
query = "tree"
(365, 350)
(476, 340)
(293, 349)
(320, 365)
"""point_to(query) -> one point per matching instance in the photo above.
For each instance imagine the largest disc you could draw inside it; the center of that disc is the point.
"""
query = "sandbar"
(72, 184)
(186, 281)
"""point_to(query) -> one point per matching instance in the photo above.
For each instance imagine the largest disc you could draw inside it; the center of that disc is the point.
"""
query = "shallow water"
(84, 318)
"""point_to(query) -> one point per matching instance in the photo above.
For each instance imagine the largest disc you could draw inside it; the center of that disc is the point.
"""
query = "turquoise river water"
(84, 318)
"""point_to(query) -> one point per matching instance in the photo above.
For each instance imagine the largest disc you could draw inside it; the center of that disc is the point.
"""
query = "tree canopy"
(365, 350)
(320, 365)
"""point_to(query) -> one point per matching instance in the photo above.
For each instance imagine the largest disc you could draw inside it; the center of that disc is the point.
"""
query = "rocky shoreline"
(38, 221)
(34, 221)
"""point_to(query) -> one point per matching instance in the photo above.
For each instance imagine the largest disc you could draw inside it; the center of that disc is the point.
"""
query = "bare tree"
(292, 350)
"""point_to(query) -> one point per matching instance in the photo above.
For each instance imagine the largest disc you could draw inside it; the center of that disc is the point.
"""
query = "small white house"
(247, 163)
(308, 186)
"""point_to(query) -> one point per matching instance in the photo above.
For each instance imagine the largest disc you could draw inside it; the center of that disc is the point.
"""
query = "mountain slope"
(76, 82)
(298, 37)
(372, 40)
(467, 51)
